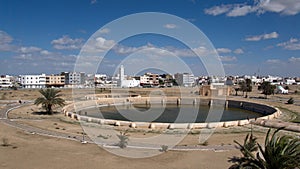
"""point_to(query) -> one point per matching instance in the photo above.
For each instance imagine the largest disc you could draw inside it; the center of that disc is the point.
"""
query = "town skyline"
(251, 37)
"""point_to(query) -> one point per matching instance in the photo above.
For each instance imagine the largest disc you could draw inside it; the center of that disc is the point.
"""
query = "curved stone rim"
(272, 112)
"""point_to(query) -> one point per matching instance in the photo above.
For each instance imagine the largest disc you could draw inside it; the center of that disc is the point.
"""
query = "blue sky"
(261, 36)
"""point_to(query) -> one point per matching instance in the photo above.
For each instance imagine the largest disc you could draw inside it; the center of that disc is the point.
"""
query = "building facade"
(33, 81)
(6, 81)
(185, 79)
(74, 79)
(55, 81)
(149, 80)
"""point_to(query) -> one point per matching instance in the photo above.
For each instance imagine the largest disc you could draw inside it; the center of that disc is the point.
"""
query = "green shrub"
(164, 148)
(290, 101)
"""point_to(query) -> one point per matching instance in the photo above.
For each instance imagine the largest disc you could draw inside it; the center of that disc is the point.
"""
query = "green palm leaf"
(279, 152)
(49, 98)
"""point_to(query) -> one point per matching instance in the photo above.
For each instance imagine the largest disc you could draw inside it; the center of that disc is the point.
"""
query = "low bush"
(290, 101)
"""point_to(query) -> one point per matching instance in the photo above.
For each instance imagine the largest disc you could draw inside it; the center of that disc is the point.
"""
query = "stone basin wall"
(268, 112)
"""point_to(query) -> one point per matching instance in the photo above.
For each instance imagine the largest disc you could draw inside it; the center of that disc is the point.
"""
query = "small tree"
(123, 140)
(246, 86)
(236, 91)
(50, 98)
(267, 88)
(243, 87)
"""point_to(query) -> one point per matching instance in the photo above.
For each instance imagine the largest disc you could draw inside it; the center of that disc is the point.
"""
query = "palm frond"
(50, 98)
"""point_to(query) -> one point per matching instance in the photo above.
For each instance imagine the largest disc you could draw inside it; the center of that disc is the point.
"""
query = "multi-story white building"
(33, 81)
(149, 79)
(101, 78)
(6, 81)
(185, 79)
(74, 79)
(144, 80)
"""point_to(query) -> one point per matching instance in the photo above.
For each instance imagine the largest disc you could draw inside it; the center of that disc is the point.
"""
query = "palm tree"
(247, 149)
(50, 98)
(282, 152)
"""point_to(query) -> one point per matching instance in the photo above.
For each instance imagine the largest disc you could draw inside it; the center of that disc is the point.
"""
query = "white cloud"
(93, 1)
(240, 10)
(273, 61)
(99, 44)
(170, 26)
(45, 52)
(294, 59)
(283, 7)
(104, 31)
(120, 49)
(238, 51)
(68, 43)
(228, 58)
(5, 42)
(35, 62)
(253, 38)
(30, 49)
(223, 50)
(218, 10)
(292, 44)
(272, 35)
(5, 38)
(103, 44)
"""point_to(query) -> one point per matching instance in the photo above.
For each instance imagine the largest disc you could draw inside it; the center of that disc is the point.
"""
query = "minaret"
(121, 71)
(122, 76)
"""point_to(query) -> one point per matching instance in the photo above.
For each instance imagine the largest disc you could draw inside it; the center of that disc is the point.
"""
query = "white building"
(33, 81)
(144, 79)
(124, 82)
(101, 77)
(289, 81)
(6, 81)
(130, 83)
(149, 79)
(74, 79)
(185, 79)
(255, 80)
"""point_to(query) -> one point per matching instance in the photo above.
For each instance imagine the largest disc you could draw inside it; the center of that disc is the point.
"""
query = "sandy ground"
(32, 151)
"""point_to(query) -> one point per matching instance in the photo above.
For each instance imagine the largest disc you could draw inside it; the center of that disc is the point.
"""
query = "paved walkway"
(30, 129)
(34, 130)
